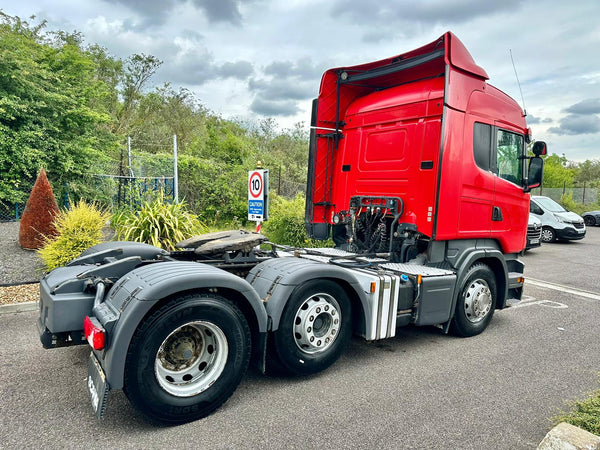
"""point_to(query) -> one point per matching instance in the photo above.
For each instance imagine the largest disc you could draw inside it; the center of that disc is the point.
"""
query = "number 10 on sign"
(258, 189)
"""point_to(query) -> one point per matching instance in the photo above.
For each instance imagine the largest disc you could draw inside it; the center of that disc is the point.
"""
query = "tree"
(139, 68)
(49, 115)
(588, 172)
(38, 217)
(556, 174)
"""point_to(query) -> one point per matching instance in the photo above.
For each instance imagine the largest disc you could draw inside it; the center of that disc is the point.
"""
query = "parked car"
(591, 218)
(557, 222)
(534, 232)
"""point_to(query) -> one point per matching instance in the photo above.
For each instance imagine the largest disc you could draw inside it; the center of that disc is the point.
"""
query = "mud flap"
(97, 386)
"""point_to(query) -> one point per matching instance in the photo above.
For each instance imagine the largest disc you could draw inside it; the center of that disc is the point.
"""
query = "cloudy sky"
(264, 58)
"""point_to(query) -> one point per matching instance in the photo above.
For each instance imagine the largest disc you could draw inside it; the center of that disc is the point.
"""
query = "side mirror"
(535, 172)
(539, 148)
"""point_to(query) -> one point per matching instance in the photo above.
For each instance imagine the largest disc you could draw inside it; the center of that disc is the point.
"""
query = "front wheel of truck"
(476, 301)
(187, 358)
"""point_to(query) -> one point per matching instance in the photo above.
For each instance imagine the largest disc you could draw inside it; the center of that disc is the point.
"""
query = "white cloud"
(244, 58)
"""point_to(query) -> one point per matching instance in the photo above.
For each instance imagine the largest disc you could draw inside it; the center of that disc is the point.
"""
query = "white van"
(557, 222)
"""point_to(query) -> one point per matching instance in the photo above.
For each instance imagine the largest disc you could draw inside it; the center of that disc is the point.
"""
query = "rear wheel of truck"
(314, 329)
(187, 358)
(476, 301)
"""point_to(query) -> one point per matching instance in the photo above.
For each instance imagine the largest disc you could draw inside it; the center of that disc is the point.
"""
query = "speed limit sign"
(258, 188)
(255, 185)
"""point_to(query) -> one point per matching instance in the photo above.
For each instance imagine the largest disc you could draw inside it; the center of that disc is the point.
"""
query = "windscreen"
(550, 205)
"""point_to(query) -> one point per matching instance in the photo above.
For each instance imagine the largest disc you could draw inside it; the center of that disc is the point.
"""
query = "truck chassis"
(177, 330)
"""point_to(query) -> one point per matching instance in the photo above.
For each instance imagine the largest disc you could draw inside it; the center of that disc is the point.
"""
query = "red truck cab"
(418, 143)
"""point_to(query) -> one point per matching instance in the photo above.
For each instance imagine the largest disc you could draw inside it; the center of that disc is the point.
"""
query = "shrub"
(286, 223)
(158, 223)
(584, 414)
(78, 229)
(40, 211)
(567, 202)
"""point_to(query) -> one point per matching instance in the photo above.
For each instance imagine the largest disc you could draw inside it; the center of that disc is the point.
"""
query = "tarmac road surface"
(421, 389)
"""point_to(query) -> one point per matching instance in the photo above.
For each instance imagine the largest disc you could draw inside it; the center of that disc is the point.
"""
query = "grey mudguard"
(275, 279)
(463, 254)
(138, 291)
(119, 250)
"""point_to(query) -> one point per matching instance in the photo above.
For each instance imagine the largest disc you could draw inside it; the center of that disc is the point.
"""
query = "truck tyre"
(476, 301)
(187, 358)
(314, 329)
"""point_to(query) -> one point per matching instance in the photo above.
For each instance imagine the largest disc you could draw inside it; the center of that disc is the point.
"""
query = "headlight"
(559, 219)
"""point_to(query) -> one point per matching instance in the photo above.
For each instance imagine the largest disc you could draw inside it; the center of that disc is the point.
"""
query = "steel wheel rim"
(191, 358)
(547, 235)
(317, 323)
(478, 301)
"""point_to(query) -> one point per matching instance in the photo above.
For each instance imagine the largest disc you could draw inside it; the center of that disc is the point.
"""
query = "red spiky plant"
(38, 217)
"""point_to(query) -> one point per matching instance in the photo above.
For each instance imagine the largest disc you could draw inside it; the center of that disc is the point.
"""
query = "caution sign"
(258, 188)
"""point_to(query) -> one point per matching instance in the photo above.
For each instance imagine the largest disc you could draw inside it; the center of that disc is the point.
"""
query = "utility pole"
(129, 156)
(175, 174)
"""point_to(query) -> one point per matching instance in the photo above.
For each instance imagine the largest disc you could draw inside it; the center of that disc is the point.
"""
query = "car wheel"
(314, 329)
(589, 221)
(548, 234)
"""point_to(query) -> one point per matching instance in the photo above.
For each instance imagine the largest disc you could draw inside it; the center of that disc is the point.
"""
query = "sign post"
(258, 196)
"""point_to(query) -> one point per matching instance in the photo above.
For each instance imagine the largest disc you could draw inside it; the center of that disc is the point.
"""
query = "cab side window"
(482, 145)
(498, 151)
(509, 150)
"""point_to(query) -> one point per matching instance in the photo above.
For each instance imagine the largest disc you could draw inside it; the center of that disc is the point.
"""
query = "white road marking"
(548, 303)
(561, 288)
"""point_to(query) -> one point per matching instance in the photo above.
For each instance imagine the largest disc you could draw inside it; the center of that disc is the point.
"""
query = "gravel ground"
(17, 266)
(20, 293)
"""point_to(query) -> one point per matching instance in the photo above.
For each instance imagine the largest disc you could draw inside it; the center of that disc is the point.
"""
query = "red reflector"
(94, 333)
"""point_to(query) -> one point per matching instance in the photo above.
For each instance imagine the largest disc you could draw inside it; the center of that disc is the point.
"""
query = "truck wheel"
(187, 358)
(548, 234)
(314, 329)
(476, 302)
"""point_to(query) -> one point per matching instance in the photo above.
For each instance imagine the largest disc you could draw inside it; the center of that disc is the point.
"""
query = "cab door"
(510, 210)
(477, 183)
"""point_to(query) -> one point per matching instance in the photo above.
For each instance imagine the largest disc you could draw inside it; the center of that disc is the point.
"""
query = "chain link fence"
(286, 188)
(583, 195)
(11, 212)
(138, 176)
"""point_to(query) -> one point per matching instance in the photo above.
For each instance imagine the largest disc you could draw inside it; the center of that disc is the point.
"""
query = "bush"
(584, 414)
(216, 191)
(78, 229)
(286, 223)
(567, 202)
(158, 223)
(39, 215)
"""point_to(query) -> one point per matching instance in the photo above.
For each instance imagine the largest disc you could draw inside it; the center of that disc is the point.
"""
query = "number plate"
(534, 241)
(97, 386)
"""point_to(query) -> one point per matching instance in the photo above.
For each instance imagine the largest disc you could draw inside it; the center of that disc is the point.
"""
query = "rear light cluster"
(94, 333)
